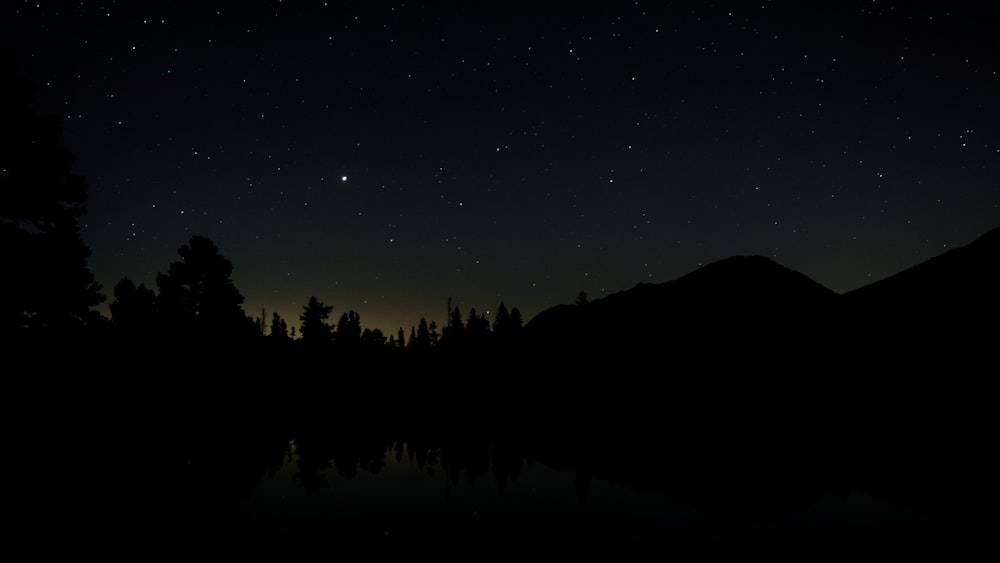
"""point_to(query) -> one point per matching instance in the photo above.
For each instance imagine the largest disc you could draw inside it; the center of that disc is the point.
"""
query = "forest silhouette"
(744, 387)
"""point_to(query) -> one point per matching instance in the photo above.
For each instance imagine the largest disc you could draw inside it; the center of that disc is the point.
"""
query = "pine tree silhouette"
(46, 283)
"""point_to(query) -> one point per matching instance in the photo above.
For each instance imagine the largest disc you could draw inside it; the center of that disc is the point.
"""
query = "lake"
(399, 490)
(222, 466)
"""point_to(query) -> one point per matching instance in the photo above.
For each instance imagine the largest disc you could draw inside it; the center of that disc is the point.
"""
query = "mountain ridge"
(969, 271)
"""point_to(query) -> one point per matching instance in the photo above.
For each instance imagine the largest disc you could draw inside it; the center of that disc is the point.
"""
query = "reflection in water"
(416, 489)
(416, 494)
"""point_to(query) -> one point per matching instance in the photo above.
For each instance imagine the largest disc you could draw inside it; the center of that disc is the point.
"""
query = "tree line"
(196, 299)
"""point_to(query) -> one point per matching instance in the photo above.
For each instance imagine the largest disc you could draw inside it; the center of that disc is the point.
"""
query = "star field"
(387, 157)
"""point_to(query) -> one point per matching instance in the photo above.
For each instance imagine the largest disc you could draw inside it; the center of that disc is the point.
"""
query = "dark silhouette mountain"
(746, 306)
(968, 275)
(946, 305)
(938, 315)
(748, 303)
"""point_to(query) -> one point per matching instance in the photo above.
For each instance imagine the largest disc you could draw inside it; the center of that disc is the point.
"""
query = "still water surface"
(407, 494)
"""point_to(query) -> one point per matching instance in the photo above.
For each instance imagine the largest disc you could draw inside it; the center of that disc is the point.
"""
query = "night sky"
(387, 156)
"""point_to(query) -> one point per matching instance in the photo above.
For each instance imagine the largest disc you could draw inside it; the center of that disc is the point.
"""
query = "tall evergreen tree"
(279, 328)
(133, 312)
(46, 282)
(349, 330)
(373, 339)
(507, 325)
(477, 327)
(197, 296)
(516, 323)
(500, 322)
(315, 330)
(454, 333)
(423, 336)
(432, 330)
